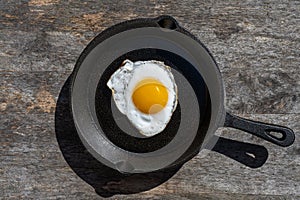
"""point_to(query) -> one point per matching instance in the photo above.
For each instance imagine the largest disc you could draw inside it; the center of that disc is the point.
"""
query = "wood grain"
(256, 45)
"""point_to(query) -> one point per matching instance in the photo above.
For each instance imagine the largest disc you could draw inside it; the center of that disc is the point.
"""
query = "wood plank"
(243, 35)
(247, 91)
(32, 165)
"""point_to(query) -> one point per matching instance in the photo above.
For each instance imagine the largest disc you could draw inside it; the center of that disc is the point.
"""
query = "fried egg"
(146, 92)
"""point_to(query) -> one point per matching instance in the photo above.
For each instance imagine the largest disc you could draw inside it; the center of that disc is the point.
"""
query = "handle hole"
(167, 23)
(276, 134)
(250, 154)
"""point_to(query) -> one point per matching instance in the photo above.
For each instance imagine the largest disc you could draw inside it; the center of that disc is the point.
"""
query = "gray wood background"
(255, 43)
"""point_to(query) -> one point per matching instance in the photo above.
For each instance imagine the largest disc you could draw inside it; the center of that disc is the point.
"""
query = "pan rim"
(220, 116)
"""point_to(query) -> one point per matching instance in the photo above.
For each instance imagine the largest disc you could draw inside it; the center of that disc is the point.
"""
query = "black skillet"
(108, 135)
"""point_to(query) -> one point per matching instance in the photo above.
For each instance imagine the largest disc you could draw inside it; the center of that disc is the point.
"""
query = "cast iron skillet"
(108, 135)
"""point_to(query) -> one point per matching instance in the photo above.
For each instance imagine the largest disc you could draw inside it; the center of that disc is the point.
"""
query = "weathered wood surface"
(256, 44)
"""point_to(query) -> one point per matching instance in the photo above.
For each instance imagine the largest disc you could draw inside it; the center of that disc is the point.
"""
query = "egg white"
(123, 83)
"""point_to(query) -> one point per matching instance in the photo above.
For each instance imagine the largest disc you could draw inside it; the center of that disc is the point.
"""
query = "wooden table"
(257, 47)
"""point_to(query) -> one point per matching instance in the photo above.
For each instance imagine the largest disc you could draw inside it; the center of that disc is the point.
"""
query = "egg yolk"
(150, 96)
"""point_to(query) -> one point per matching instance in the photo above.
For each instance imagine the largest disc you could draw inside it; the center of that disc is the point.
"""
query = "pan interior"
(117, 127)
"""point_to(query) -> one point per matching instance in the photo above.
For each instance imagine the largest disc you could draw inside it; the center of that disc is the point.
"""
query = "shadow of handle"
(251, 155)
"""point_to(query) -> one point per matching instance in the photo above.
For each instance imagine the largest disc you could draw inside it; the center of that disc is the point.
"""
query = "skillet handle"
(265, 131)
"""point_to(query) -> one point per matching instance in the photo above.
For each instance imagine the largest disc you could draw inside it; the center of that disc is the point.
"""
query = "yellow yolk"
(150, 96)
